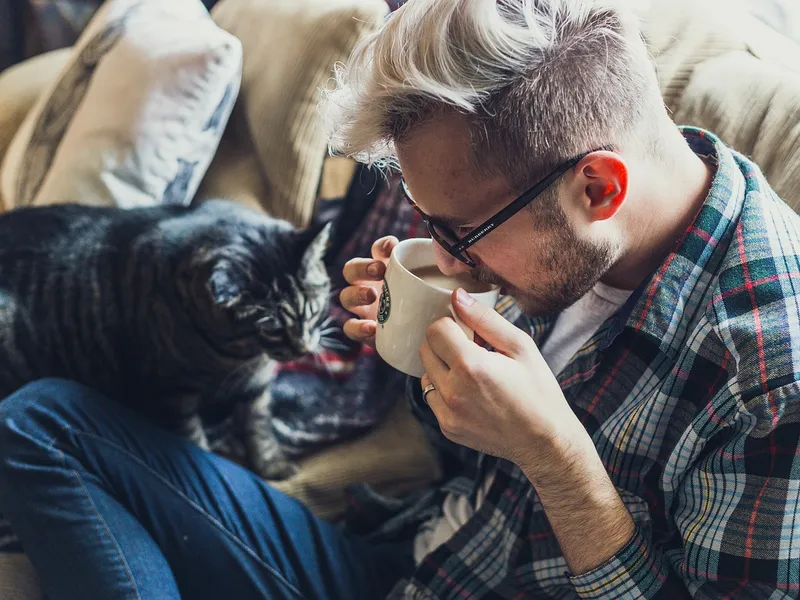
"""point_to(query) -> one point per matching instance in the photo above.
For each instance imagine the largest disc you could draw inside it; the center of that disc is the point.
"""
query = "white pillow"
(136, 115)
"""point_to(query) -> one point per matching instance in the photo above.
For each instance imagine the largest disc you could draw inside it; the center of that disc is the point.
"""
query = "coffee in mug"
(415, 295)
(433, 276)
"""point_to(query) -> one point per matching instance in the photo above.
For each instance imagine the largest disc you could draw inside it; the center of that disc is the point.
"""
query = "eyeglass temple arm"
(513, 208)
(518, 204)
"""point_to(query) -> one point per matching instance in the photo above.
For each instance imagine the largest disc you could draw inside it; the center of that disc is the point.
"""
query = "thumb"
(489, 324)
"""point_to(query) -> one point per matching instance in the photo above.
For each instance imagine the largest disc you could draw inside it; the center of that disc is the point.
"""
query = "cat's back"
(62, 232)
(221, 221)
(61, 290)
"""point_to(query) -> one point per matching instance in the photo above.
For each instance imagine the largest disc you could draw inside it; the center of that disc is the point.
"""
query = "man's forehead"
(438, 167)
(442, 144)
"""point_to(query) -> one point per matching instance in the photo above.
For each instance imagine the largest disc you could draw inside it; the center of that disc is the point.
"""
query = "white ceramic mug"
(409, 305)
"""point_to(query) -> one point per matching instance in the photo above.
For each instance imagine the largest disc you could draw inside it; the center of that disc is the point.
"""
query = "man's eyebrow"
(448, 221)
(451, 222)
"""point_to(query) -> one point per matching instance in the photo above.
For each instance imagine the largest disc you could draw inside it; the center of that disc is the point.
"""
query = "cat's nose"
(313, 341)
(308, 344)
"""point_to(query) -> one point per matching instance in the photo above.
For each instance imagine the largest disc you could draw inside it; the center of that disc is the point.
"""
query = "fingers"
(363, 270)
(488, 324)
(448, 343)
(425, 381)
(433, 396)
(361, 330)
(359, 300)
(382, 248)
(435, 369)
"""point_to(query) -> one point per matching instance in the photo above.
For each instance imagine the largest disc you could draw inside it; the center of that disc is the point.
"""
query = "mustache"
(487, 277)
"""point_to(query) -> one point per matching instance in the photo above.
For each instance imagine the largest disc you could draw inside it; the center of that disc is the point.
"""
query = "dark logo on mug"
(385, 304)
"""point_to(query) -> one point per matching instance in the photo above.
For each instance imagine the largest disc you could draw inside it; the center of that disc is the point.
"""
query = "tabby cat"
(180, 313)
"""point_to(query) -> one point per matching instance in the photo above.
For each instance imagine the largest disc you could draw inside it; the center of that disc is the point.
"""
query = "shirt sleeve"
(636, 571)
(735, 512)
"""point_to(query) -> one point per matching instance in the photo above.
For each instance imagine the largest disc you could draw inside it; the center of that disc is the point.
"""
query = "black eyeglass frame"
(458, 247)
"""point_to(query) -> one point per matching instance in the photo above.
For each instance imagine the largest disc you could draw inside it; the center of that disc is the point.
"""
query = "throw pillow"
(20, 88)
(135, 116)
(290, 48)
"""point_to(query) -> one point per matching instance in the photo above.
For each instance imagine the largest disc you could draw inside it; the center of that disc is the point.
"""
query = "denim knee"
(21, 411)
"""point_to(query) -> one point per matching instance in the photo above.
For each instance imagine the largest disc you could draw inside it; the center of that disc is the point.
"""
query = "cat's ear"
(316, 243)
(227, 284)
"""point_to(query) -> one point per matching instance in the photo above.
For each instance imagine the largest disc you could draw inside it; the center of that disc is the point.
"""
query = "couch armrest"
(17, 578)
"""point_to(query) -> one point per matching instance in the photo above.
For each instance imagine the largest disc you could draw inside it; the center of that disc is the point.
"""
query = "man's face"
(537, 256)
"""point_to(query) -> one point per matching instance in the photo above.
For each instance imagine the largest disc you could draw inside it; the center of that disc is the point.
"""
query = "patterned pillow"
(135, 116)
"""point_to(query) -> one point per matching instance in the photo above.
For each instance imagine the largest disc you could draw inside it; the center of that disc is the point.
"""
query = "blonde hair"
(538, 81)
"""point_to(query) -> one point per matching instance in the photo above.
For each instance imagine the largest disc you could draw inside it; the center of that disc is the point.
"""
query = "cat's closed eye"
(270, 324)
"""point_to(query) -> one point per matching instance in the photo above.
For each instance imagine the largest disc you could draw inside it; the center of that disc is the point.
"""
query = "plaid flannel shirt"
(691, 393)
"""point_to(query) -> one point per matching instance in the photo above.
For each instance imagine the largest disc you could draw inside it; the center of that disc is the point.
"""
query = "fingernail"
(373, 270)
(464, 298)
(387, 245)
(368, 328)
(363, 296)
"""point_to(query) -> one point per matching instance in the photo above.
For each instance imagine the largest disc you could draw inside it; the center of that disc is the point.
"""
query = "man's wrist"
(547, 454)
(587, 515)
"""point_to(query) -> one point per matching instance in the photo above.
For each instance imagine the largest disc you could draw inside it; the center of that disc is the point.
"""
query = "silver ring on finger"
(428, 389)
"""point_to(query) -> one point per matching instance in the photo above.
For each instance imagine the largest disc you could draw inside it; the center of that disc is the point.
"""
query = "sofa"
(720, 67)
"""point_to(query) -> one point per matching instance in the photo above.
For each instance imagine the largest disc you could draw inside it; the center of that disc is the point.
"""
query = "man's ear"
(605, 177)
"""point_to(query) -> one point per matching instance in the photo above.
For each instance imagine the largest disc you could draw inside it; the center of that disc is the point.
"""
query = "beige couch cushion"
(755, 108)
(290, 47)
(681, 34)
(734, 76)
(235, 172)
(18, 580)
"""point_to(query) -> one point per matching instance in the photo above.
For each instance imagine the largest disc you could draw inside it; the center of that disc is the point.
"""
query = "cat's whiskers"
(319, 361)
(333, 344)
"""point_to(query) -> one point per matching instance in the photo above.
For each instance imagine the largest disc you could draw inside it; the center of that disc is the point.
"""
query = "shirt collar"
(660, 304)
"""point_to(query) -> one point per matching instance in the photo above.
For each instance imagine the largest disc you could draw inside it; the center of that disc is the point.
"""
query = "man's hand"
(508, 403)
(365, 277)
(504, 403)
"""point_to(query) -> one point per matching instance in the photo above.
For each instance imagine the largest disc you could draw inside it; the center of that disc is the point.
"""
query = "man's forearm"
(588, 517)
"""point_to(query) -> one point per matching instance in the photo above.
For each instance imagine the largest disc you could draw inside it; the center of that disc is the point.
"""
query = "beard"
(568, 268)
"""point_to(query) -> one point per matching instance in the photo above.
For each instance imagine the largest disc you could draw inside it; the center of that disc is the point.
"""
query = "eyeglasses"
(457, 247)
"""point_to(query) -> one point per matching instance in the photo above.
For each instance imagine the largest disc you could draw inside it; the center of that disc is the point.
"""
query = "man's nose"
(447, 263)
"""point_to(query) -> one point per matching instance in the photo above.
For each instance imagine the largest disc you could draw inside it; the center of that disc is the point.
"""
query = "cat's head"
(275, 287)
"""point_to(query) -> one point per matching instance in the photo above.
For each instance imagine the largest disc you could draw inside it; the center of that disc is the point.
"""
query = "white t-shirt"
(576, 324)
(572, 329)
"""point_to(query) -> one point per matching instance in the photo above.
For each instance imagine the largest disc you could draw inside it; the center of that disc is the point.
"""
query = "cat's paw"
(276, 470)
(191, 428)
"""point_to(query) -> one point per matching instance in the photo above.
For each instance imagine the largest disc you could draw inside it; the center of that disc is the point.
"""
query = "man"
(639, 443)
(648, 429)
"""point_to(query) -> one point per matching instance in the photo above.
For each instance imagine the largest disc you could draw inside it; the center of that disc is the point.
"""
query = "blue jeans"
(108, 506)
